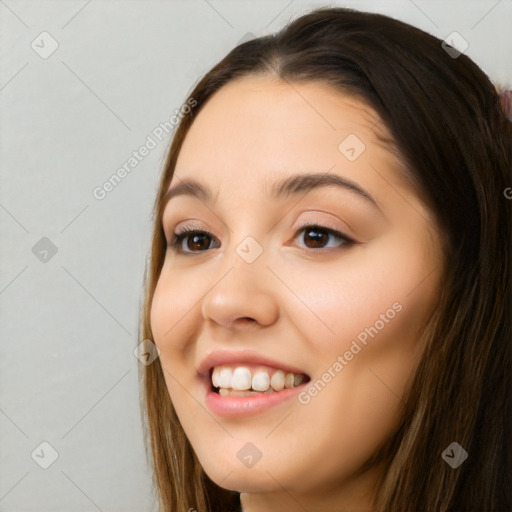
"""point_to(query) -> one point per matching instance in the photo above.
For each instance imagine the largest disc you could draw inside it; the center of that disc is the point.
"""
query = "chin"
(237, 477)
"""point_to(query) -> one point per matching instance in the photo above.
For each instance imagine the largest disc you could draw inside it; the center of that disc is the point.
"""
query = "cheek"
(362, 371)
(173, 300)
(171, 327)
(378, 291)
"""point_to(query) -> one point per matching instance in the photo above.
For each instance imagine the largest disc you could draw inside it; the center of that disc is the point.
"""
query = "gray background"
(68, 122)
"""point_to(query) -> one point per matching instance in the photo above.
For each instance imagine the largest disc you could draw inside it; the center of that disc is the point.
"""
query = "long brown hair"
(445, 118)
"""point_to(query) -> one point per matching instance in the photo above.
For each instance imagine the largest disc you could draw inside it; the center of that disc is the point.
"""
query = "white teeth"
(240, 381)
(277, 381)
(225, 377)
(260, 381)
(215, 377)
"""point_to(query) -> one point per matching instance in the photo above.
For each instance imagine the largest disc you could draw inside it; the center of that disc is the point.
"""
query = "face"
(331, 281)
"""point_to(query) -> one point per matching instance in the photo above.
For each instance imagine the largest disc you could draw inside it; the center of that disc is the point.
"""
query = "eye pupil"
(193, 240)
(317, 240)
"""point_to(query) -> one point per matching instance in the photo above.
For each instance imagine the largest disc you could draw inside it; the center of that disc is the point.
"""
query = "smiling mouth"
(248, 380)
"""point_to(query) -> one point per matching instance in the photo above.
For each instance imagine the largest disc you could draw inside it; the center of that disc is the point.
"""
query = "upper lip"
(240, 357)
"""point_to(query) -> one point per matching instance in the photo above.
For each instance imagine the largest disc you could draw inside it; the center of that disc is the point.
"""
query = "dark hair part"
(443, 114)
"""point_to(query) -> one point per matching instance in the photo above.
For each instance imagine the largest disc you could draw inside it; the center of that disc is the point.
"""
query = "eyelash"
(178, 238)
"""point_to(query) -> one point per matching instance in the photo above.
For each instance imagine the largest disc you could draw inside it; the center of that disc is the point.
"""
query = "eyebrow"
(292, 185)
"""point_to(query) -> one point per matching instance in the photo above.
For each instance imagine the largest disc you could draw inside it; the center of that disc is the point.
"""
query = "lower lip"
(239, 406)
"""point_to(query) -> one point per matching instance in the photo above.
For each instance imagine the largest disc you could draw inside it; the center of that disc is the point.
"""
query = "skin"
(292, 304)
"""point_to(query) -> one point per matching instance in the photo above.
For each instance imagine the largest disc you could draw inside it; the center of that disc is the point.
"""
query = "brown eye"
(316, 237)
(197, 242)
(192, 241)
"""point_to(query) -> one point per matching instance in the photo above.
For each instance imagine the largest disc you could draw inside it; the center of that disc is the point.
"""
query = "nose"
(244, 293)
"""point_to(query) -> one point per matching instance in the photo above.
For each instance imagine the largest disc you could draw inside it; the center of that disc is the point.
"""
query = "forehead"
(255, 130)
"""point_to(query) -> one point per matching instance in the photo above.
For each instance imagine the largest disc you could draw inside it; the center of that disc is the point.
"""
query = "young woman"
(330, 279)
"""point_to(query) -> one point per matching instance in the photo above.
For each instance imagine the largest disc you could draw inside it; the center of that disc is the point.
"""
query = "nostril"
(247, 320)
